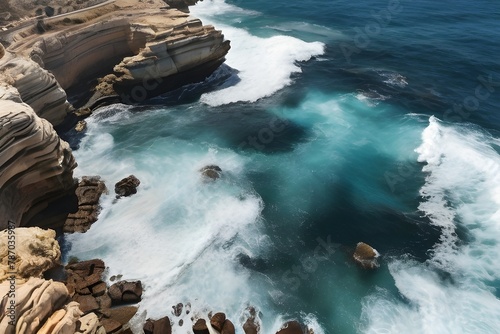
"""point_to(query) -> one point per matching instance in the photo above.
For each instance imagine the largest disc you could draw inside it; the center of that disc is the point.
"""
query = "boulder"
(211, 172)
(88, 192)
(160, 326)
(81, 126)
(125, 292)
(217, 320)
(200, 327)
(228, 327)
(87, 303)
(177, 309)
(291, 327)
(366, 256)
(36, 251)
(127, 186)
(252, 324)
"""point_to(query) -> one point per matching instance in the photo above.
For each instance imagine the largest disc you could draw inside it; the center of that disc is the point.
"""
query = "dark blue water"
(334, 122)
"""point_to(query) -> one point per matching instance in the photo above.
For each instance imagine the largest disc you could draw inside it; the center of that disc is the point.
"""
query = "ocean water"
(333, 122)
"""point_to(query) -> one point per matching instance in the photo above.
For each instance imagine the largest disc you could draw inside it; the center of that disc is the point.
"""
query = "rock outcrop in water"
(366, 256)
(89, 192)
(36, 166)
(127, 186)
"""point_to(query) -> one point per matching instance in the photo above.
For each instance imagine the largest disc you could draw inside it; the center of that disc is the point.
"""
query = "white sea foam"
(264, 64)
(462, 188)
(179, 234)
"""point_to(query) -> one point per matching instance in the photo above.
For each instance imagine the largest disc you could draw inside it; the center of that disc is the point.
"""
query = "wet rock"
(127, 186)
(125, 292)
(228, 327)
(81, 126)
(200, 327)
(217, 320)
(88, 192)
(211, 172)
(251, 325)
(366, 256)
(291, 327)
(160, 326)
(177, 309)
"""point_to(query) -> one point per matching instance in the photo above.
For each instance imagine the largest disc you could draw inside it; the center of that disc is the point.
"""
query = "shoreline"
(42, 58)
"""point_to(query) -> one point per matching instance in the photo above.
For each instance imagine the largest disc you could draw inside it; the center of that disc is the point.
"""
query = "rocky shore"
(101, 51)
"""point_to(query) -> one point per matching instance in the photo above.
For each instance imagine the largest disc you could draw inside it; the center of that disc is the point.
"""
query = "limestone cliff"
(37, 87)
(36, 251)
(35, 164)
(131, 41)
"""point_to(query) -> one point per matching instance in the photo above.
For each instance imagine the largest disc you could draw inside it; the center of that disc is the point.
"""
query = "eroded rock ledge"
(36, 166)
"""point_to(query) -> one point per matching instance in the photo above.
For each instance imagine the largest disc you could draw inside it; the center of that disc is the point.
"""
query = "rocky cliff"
(35, 164)
(130, 50)
(143, 48)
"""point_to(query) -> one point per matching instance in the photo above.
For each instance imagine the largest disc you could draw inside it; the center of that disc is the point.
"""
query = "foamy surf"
(264, 65)
(461, 190)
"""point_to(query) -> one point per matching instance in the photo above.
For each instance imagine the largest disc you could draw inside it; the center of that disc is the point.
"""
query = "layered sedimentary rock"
(145, 47)
(36, 251)
(37, 87)
(36, 166)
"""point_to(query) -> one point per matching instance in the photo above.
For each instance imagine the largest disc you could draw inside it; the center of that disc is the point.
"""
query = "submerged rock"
(211, 172)
(127, 186)
(366, 256)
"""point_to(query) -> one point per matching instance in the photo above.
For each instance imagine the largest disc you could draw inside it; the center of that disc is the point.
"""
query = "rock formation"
(85, 286)
(36, 167)
(211, 172)
(127, 186)
(140, 48)
(125, 292)
(366, 256)
(293, 327)
(89, 192)
(36, 251)
(37, 87)
(160, 326)
(31, 304)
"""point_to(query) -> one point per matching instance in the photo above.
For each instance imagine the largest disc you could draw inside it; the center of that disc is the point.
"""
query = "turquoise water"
(325, 138)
